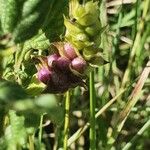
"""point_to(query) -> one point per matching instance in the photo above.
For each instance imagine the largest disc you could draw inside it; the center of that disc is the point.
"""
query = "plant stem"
(40, 130)
(57, 130)
(31, 142)
(92, 113)
(66, 125)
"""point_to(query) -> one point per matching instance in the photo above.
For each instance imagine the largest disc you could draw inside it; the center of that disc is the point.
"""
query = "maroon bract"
(44, 75)
(78, 64)
(69, 51)
(62, 81)
(62, 64)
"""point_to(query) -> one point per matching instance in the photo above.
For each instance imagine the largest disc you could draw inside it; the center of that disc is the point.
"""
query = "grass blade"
(140, 132)
(92, 113)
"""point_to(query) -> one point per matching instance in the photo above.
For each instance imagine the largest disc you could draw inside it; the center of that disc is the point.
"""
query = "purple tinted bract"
(44, 75)
(78, 64)
(52, 58)
(62, 64)
(69, 51)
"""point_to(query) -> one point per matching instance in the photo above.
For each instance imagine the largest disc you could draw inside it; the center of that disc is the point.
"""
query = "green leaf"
(44, 104)
(54, 23)
(49, 103)
(11, 91)
(40, 41)
(32, 19)
(23, 19)
(8, 14)
(3, 144)
(28, 109)
(15, 133)
(35, 87)
(2, 119)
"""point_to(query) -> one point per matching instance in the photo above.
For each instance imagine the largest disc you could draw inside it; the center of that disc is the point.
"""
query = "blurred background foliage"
(31, 120)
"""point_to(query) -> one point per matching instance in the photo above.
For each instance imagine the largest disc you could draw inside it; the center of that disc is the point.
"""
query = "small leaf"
(35, 87)
(98, 60)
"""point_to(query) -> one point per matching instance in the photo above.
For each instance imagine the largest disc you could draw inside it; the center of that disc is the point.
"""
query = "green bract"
(83, 31)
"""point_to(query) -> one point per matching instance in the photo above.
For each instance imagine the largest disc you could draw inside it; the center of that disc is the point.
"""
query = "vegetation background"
(35, 121)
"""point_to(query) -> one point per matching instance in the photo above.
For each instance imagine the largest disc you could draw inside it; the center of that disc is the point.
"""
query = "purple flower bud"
(78, 64)
(44, 75)
(69, 51)
(52, 58)
(62, 64)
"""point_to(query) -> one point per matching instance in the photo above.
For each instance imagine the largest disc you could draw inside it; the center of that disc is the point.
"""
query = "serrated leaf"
(39, 41)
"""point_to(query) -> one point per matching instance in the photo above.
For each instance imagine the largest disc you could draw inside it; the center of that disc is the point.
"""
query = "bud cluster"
(83, 31)
(69, 64)
(62, 70)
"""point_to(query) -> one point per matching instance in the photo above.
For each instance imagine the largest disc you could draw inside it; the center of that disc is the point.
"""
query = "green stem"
(140, 132)
(66, 125)
(92, 113)
(55, 147)
(40, 130)
(31, 142)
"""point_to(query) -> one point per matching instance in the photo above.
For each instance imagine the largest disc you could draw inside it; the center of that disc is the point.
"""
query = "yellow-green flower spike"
(72, 27)
(83, 30)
